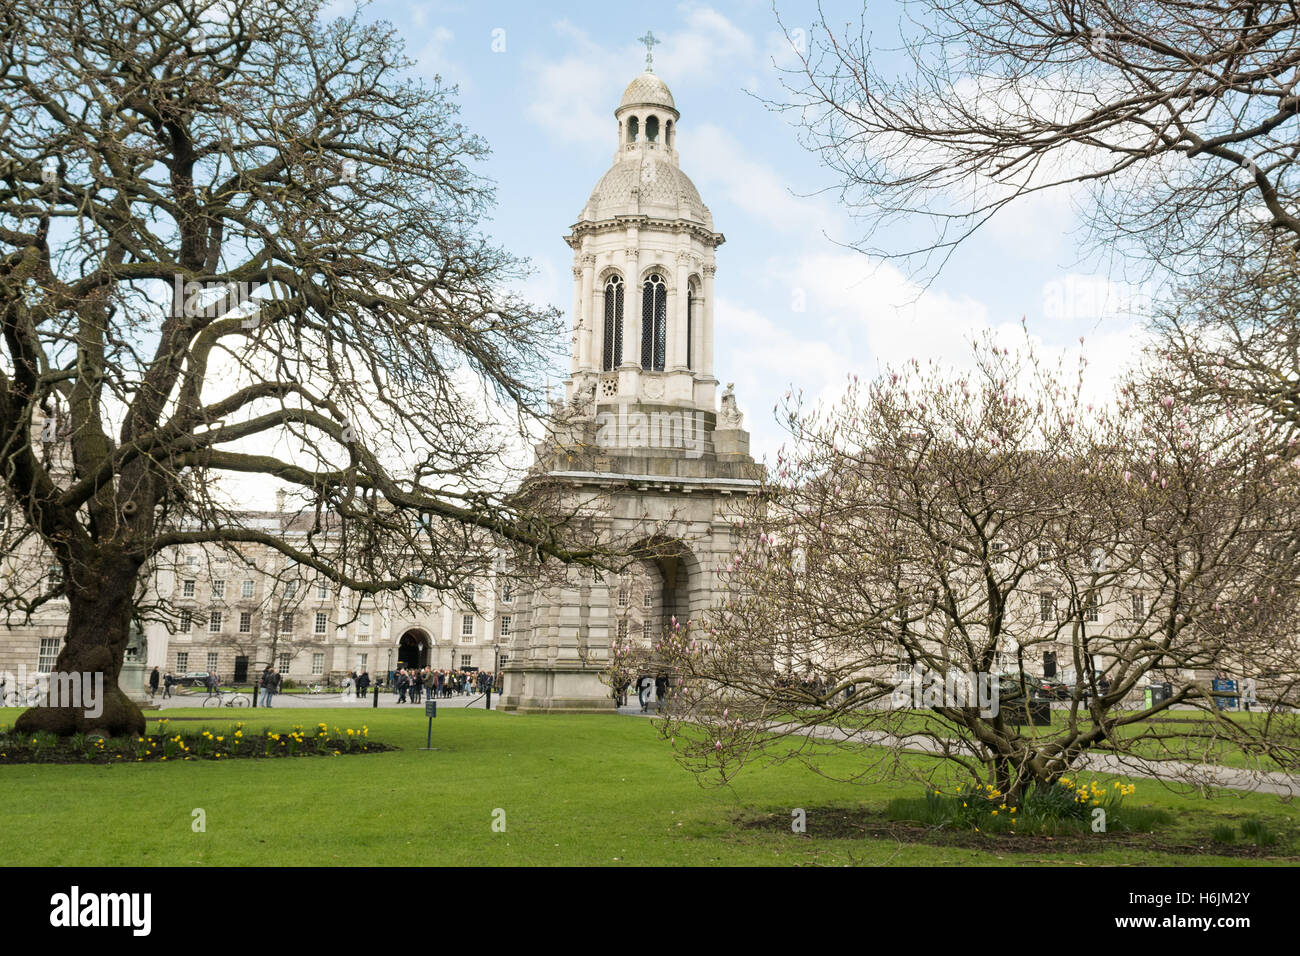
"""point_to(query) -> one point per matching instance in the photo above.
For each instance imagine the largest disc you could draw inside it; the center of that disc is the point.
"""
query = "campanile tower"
(639, 446)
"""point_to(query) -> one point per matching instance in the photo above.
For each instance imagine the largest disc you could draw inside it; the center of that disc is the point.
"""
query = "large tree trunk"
(99, 620)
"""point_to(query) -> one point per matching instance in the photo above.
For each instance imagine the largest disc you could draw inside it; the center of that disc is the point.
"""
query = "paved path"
(1206, 775)
(291, 701)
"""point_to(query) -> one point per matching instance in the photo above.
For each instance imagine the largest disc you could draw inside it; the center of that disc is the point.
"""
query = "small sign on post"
(430, 711)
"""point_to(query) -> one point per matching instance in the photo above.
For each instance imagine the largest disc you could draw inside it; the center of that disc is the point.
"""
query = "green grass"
(592, 790)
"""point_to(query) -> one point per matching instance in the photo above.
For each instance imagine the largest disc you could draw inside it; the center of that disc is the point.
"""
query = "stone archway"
(663, 587)
(677, 572)
(413, 648)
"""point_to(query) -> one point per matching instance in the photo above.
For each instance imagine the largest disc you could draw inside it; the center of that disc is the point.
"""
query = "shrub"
(1257, 832)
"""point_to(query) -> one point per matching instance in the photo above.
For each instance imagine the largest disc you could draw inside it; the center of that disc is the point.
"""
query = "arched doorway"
(663, 587)
(675, 571)
(656, 590)
(413, 648)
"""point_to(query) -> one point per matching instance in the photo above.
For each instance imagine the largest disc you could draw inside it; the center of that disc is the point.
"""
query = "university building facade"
(211, 610)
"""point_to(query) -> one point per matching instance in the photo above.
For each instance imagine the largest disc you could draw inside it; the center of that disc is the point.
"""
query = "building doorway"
(413, 649)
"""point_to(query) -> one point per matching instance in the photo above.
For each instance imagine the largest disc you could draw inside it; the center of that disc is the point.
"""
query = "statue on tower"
(730, 416)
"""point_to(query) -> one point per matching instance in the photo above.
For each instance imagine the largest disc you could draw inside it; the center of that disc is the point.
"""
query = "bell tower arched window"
(613, 323)
(652, 128)
(632, 128)
(654, 323)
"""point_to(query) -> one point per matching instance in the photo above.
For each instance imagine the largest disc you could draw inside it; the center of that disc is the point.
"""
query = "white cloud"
(432, 54)
(882, 319)
(573, 97)
(765, 360)
(703, 48)
(722, 166)
(900, 320)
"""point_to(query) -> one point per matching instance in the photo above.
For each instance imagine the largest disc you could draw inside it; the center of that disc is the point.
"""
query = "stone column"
(677, 357)
(631, 303)
(578, 338)
(706, 323)
(589, 345)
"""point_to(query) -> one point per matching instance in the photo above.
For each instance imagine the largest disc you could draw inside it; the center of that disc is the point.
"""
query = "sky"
(796, 307)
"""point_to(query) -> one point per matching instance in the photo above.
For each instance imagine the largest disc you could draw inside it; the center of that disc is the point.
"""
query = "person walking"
(643, 686)
(268, 685)
(363, 684)
(168, 681)
(1248, 693)
(153, 683)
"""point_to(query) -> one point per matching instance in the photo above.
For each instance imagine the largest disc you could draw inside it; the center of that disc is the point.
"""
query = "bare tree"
(1232, 341)
(928, 541)
(1178, 117)
(236, 244)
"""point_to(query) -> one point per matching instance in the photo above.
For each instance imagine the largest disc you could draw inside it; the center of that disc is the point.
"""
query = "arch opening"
(413, 648)
(613, 333)
(654, 323)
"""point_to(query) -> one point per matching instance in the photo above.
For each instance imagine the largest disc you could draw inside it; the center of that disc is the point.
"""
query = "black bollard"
(376, 703)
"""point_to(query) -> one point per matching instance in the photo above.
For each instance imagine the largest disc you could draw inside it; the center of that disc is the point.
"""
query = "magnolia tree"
(925, 543)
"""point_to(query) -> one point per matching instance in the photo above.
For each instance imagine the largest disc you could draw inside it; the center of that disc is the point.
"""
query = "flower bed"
(166, 745)
(1067, 805)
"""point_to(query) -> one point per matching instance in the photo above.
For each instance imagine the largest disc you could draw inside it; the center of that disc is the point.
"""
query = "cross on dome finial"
(650, 43)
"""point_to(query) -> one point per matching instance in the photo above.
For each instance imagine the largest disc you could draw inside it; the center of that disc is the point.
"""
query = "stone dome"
(651, 187)
(647, 90)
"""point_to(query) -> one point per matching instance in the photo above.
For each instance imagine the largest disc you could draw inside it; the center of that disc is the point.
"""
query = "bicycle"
(218, 699)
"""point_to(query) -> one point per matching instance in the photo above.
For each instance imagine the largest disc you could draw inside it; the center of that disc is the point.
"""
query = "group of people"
(644, 684)
(356, 685)
(412, 683)
(270, 683)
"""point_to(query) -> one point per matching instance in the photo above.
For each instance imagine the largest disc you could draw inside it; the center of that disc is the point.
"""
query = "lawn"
(590, 790)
